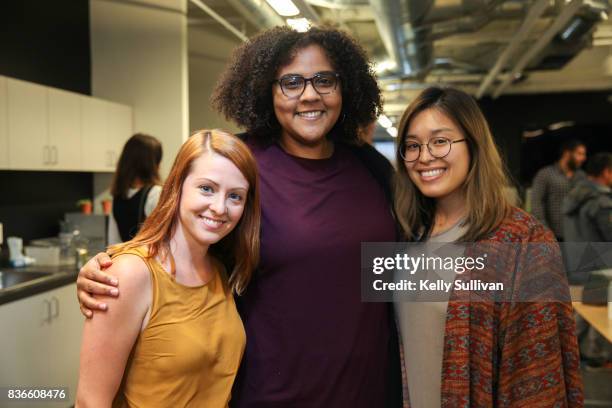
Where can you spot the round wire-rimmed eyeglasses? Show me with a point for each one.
(293, 85)
(439, 147)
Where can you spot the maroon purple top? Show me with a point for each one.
(311, 342)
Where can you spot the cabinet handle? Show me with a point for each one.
(47, 315)
(54, 151)
(56, 309)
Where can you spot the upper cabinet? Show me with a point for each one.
(64, 130)
(43, 128)
(94, 124)
(120, 129)
(3, 124)
(27, 126)
(105, 126)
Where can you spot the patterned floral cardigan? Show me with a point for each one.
(512, 354)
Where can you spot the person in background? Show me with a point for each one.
(485, 353)
(135, 188)
(587, 217)
(174, 337)
(552, 183)
(311, 341)
(587, 209)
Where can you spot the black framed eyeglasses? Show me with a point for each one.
(439, 147)
(293, 86)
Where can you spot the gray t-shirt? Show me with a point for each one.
(422, 325)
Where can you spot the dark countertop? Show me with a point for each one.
(19, 283)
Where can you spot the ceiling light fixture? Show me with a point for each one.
(386, 65)
(392, 131)
(285, 8)
(299, 24)
(559, 125)
(384, 121)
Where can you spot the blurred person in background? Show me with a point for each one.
(552, 183)
(135, 188)
(587, 217)
(587, 210)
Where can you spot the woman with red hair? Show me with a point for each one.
(174, 337)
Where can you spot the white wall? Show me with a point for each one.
(209, 52)
(139, 57)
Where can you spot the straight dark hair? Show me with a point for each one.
(139, 160)
(486, 183)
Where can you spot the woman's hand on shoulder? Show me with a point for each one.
(93, 281)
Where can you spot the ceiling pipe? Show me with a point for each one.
(463, 24)
(307, 11)
(566, 14)
(259, 13)
(220, 19)
(411, 51)
(528, 24)
(339, 4)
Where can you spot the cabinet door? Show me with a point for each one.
(27, 130)
(41, 343)
(65, 338)
(3, 125)
(119, 129)
(23, 341)
(64, 130)
(96, 156)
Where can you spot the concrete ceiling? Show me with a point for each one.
(466, 57)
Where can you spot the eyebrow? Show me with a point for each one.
(304, 76)
(433, 132)
(202, 179)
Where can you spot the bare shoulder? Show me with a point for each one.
(130, 270)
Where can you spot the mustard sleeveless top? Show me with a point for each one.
(189, 352)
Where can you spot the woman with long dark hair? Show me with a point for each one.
(136, 186)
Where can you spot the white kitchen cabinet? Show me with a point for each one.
(120, 129)
(105, 126)
(3, 124)
(40, 343)
(94, 124)
(27, 125)
(64, 139)
(44, 128)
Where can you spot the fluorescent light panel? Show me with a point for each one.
(384, 121)
(299, 24)
(285, 8)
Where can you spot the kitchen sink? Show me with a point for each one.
(12, 278)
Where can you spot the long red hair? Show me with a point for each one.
(239, 250)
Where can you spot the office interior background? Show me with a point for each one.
(541, 70)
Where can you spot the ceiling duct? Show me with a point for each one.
(411, 50)
(259, 13)
(409, 28)
(339, 4)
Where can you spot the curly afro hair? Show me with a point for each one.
(244, 91)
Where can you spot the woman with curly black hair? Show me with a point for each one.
(311, 342)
